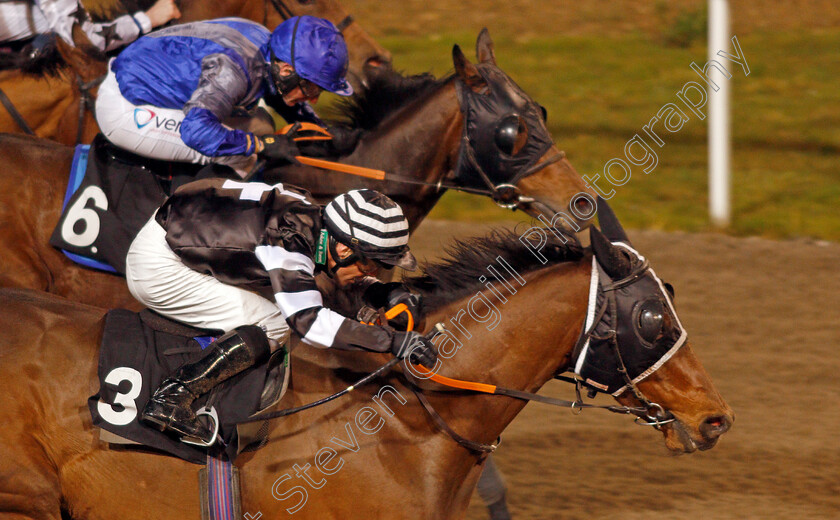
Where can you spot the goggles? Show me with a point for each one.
(286, 83)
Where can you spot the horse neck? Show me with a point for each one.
(422, 142)
(409, 460)
(531, 336)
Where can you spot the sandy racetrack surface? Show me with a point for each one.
(763, 317)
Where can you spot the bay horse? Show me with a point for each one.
(376, 452)
(57, 106)
(416, 130)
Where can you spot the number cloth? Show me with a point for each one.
(135, 357)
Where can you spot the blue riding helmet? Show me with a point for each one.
(320, 54)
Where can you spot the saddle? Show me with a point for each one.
(112, 193)
(139, 350)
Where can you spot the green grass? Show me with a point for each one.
(601, 90)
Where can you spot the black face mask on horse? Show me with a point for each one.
(504, 133)
(631, 328)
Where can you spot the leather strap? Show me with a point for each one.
(477, 447)
(21, 122)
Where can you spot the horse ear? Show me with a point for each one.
(467, 71)
(484, 48)
(610, 224)
(616, 264)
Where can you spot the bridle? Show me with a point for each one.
(86, 102)
(505, 194)
(285, 12)
(653, 413)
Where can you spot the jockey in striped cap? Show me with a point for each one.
(372, 226)
(215, 249)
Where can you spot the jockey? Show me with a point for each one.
(167, 94)
(215, 240)
(22, 20)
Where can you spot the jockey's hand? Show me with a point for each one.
(389, 295)
(344, 141)
(276, 148)
(420, 349)
(162, 12)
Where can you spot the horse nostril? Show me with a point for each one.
(715, 426)
(584, 206)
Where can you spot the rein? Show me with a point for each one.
(493, 191)
(642, 413)
(10, 107)
(86, 101)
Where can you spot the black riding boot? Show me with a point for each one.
(170, 407)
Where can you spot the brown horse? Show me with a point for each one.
(54, 106)
(376, 452)
(416, 131)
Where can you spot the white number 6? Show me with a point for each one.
(126, 400)
(78, 212)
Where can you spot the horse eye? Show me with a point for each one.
(511, 134)
(651, 319)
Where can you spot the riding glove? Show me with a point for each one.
(388, 295)
(416, 345)
(276, 148)
(343, 142)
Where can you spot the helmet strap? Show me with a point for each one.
(285, 83)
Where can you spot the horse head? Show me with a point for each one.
(638, 350)
(507, 148)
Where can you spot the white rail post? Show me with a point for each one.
(719, 132)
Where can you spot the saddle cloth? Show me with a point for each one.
(112, 193)
(138, 351)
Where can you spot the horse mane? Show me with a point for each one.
(387, 90)
(457, 276)
(48, 62)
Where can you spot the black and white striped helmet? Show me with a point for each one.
(372, 225)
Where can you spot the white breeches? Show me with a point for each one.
(152, 131)
(161, 282)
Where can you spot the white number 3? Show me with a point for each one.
(126, 400)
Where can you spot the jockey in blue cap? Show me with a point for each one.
(167, 95)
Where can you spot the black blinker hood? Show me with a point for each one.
(482, 113)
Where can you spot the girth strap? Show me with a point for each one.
(21, 122)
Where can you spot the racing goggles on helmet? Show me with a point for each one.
(287, 83)
(367, 266)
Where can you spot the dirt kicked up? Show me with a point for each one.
(763, 318)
